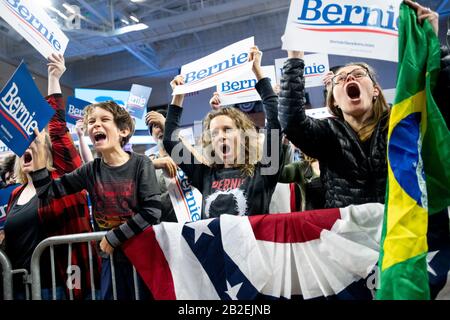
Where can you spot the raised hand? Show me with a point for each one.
(39, 151)
(79, 126)
(424, 13)
(56, 68)
(56, 65)
(255, 55)
(155, 118)
(327, 79)
(214, 102)
(177, 100)
(177, 81)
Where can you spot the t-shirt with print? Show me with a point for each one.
(226, 191)
(125, 199)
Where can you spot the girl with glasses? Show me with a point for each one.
(350, 147)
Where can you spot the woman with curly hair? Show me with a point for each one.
(236, 178)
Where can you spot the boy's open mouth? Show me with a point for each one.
(99, 136)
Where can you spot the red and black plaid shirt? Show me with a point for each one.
(70, 214)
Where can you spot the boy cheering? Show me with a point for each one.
(122, 186)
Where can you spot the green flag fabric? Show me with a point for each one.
(418, 156)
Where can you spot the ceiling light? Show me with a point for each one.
(69, 8)
(131, 28)
(46, 3)
(125, 21)
(59, 13)
(134, 18)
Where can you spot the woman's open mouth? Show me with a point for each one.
(225, 149)
(353, 91)
(27, 157)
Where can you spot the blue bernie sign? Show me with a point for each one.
(138, 99)
(75, 109)
(4, 197)
(22, 109)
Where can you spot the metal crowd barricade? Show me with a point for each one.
(69, 240)
(6, 276)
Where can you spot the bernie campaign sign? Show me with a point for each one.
(138, 99)
(363, 28)
(242, 89)
(227, 63)
(75, 109)
(31, 21)
(4, 198)
(22, 109)
(185, 198)
(316, 66)
(3, 148)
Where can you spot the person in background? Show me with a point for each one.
(163, 163)
(308, 192)
(8, 179)
(30, 219)
(7, 170)
(281, 196)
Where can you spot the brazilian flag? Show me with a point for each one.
(418, 157)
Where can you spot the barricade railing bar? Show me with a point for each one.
(68, 240)
(7, 275)
(50, 243)
(33, 278)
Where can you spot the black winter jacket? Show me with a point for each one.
(348, 174)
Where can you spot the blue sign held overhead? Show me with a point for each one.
(138, 99)
(22, 109)
(75, 109)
